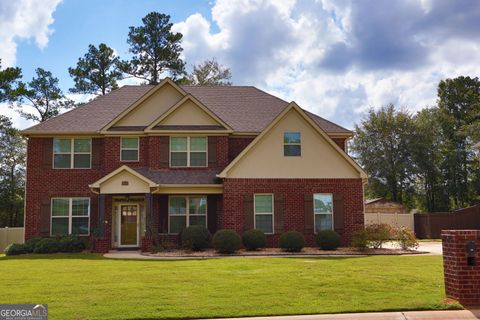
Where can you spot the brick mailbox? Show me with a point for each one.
(461, 265)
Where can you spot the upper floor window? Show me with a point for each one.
(188, 151)
(70, 216)
(323, 211)
(129, 149)
(71, 153)
(292, 144)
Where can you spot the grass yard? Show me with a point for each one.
(87, 286)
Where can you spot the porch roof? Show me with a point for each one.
(181, 176)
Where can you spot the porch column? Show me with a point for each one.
(148, 214)
(101, 216)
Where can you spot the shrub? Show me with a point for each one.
(406, 238)
(71, 244)
(360, 240)
(227, 241)
(15, 249)
(292, 241)
(378, 234)
(196, 238)
(47, 245)
(328, 240)
(30, 244)
(254, 239)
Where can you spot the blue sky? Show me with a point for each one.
(337, 58)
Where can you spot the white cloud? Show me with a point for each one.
(280, 46)
(24, 20)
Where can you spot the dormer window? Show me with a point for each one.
(292, 144)
(188, 151)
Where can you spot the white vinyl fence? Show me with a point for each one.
(9, 236)
(392, 219)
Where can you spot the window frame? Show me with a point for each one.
(324, 213)
(188, 151)
(292, 144)
(264, 213)
(126, 149)
(187, 210)
(72, 153)
(70, 214)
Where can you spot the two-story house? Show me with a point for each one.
(144, 161)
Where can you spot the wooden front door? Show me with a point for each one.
(129, 225)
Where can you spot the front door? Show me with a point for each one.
(129, 225)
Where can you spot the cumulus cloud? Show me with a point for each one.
(339, 57)
(23, 20)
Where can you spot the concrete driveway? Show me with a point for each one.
(431, 247)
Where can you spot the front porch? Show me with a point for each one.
(135, 212)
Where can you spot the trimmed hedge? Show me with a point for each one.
(71, 244)
(47, 245)
(30, 244)
(15, 249)
(196, 238)
(292, 241)
(227, 241)
(254, 239)
(328, 240)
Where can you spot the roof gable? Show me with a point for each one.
(188, 113)
(154, 103)
(124, 180)
(320, 158)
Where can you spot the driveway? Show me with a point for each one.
(431, 247)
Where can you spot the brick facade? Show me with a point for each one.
(44, 182)
(294, 191)
(462, 281)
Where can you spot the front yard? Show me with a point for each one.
(87, 286)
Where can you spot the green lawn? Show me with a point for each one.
(87, 286)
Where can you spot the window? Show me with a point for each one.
(70, 216)
(292, 146)
(188, 151)
(323, 211)
(129, 149)
(184, 211)
(71, 153)
(263, 206)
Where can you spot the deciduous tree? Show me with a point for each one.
(210, 73)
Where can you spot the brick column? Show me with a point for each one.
(462, 281)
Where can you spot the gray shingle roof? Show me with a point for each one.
(243, 108)
(180, 176)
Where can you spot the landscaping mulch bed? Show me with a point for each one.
(268, 252)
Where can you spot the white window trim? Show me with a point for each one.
(136, 149)
(188, 151)
(72, 153)
(325, 213)
(292, 144)
(70, 216)
(264, 213)
(187, 210)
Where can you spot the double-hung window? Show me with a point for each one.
(323, 211)
(263, 206)
(129, 149)
(188, 151)
(71, 153)
(70, 216)
(292, 144)
(184, 211)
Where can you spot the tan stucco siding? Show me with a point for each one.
(152, 108)
(189, 114)
(124, 182)
(319, 158)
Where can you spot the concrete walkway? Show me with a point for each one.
(408, 315)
